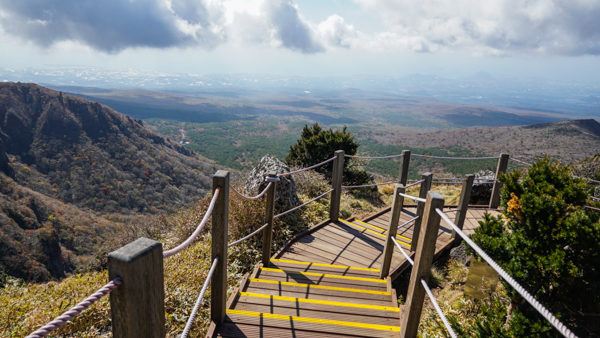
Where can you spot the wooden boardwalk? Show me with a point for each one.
(326, 282)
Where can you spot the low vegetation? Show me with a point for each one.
(547, 241)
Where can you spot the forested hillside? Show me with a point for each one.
(66, 164)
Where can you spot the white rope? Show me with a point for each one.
(198, 230)
(367, 185)
(373, 157)
(408, 222)
(521, 162)
(414, 198)
(262, 227)
(261, 194)
(437, 308)
(457, 158)
(595, 198)
(75, 310)
(303, 204)
(591, 208)
(307, 168)
(588, 179)
(526, 295)
(414, 183)
(199, 300)
(402, 251)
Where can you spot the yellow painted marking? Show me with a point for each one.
(321, 287)
(345, 267)
(365, 223)
(326, 275)
(406, 245)
(287, 318)
(362, 227)
(320, 302)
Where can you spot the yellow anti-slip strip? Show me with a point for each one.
(320, 302)
(324, 265)
(311, 320)
(326, 275)
(406, 245)
(320, 287)
(365, 223)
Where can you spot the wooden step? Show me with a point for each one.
(345, 270)
(303, 290)
(314, 280)
(243, 330)
(301, 306)
(318, 277)
(324, 325)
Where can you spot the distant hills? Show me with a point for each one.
(71, 171)
(568, 141)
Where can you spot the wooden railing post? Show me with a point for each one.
(388, 252)
(425, 187)
(269, 213)
(337, 178)
(138, 304)
(219, 229)
(500, 169)
(411, 314)
(404, 167)
(463, 203)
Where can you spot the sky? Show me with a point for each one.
(551, 39)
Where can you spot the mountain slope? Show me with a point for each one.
(77, 178)
(87, 154)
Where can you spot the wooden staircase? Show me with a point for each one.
(292, 298)
(325, 282)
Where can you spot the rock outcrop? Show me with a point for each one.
(482, 187)
(286, 196)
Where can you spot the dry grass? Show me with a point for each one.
(453, 287)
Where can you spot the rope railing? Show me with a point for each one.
(256, 197)
(457, 157)
(303, 204)
(402, 250)
(438, 309)
(359, 157)
(414, 198)
(587, 179)
(414, 183)
(560, 327)
(427, 289)
(521, 161)
(197, 231)
(382, 157)
(199, 300)
(367, 185)
(306, 168)
(591, 207)
(262, 227)
(75, 310)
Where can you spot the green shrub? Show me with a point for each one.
(549, 243)
(317, 145)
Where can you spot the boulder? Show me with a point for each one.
(482, 187)
(286, 196)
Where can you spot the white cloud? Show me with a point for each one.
(567, 27)
(335, 32)
(497, 27)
